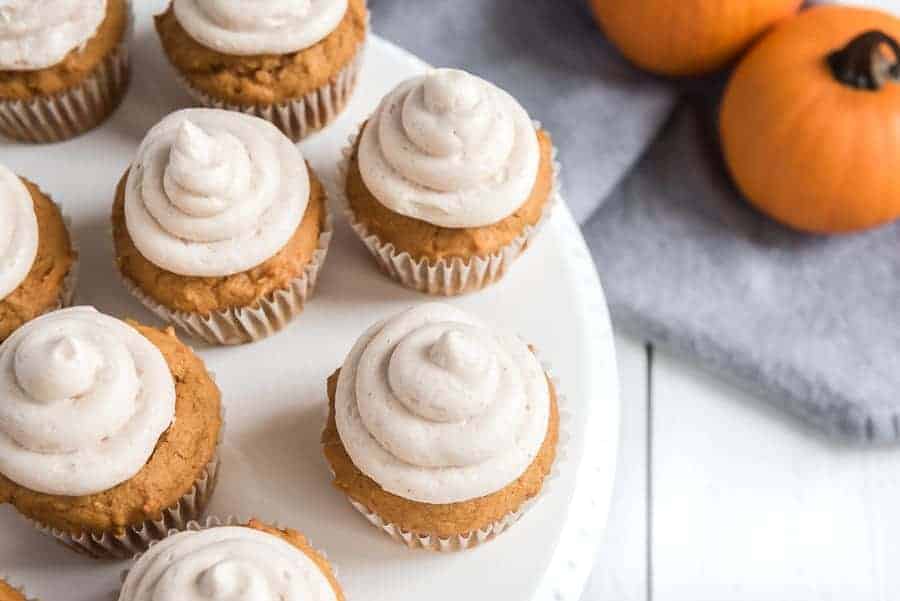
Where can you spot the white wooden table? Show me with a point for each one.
(720, 497)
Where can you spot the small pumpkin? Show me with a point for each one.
(687, 37)
(810, 121)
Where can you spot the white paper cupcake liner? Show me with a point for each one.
(470, 540)
(298, 117)
(137, 538)
(241, 325)
(108, 545)
(74, 111)
(445, 277)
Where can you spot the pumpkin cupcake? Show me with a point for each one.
(136, 454)
(292, 63)
(38, 261)
(220, 226)
(63, 66)
(247, 561)
(10, 593)
(448, 181)
(440, 430)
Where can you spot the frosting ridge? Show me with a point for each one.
(437, 408)
(36, 34)
(84, 398)
(212, 193)
(18, 232)
(451, 149)
(243, 28)
(225, 562)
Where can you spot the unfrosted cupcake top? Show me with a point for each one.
(451, 149)
(226, 562)
(249, 27)
(18, 232)
(35, 34)
(212, 193)
(84, 399)
(437, 408)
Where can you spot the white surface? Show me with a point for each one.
(275, 390)
(767, 508)
(720, 497)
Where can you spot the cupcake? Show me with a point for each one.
(220, 226)
(440, 430)
(37, 258)
(10, 593)
(63, 66)
(292, 63)
(108, 431)
(251, 561)
(448, 181)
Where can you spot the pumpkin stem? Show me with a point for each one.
(862, 64)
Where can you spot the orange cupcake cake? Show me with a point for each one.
(136, 454)
(220, 226)
(441, 430)
(38, 261)
(294, 64)
(448, 182)
(63, 66)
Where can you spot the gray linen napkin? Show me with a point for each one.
(809, 322)
(549, 54)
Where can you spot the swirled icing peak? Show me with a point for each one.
(437, 408)
(248, 27)
(84, 398)
(213, 193)
(18, 232)
(225, 563)
(35, 34)
(451, 149)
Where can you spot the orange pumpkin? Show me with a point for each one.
(810, 121)
(687, 37)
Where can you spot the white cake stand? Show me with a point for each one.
(275, 390)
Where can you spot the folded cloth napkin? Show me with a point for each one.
(550, 55)
(809, 322)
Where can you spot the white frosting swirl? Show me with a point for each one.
(226, 563)
(84, 398)
(438, 409)
(213, 193)
(451, 149)
(35, 34)
(18, 232)
(248, 27)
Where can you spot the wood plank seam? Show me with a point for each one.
(649, 475)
